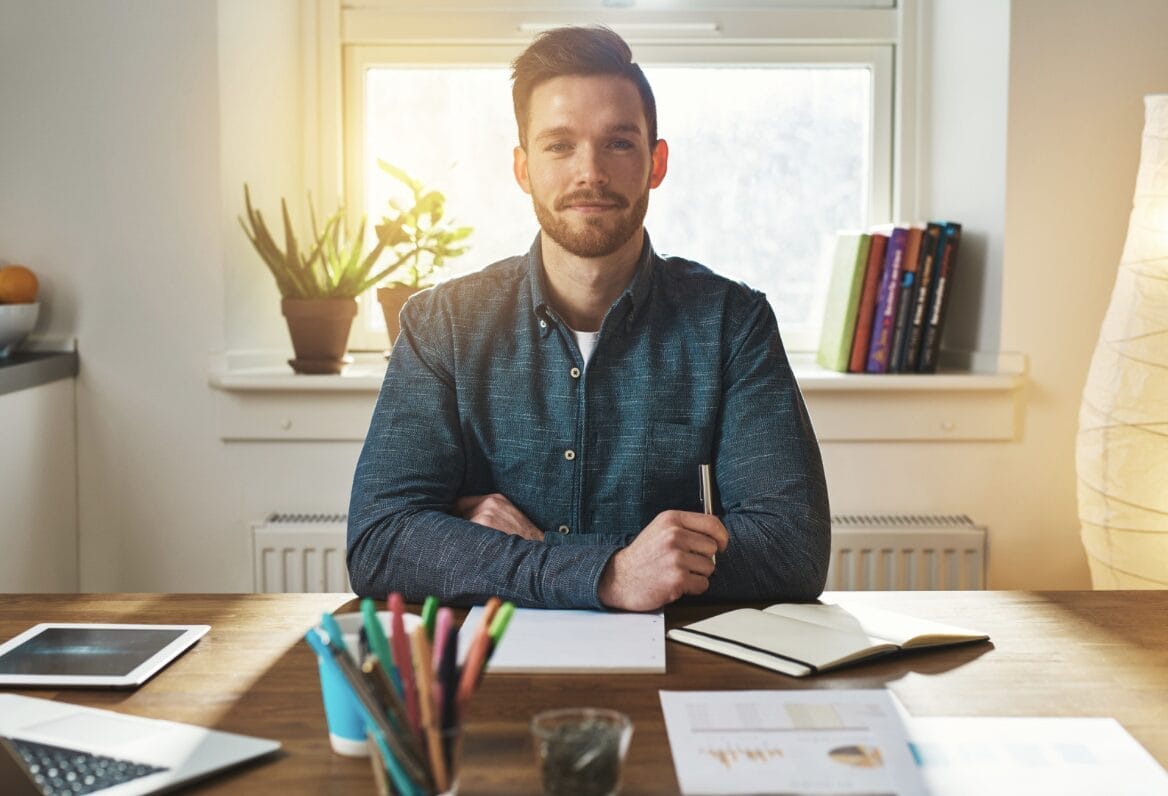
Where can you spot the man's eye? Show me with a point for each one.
(558, 147)
(621, 143)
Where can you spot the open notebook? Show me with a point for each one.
(799, 639)
(49, 747)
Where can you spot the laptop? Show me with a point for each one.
(49, 748)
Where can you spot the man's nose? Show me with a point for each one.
(590, 169)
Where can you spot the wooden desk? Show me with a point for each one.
(1053, 654)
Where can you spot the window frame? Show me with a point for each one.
(875, 34)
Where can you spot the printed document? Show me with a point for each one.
(823, 741)
(962, 756)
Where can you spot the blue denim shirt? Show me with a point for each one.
(486, 392)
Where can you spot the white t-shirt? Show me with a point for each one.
(586, 342)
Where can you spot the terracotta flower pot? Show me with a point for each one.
(391, 298)
(320, 332)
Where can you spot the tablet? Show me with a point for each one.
(93, 655)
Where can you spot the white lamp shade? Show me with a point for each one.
(1122, 453)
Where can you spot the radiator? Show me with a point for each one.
(883, 552)
(300, 553)
(306, 553)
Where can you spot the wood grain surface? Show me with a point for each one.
(1050, 654)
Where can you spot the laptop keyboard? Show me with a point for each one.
(59, 772)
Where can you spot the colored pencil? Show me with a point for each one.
(425, 676)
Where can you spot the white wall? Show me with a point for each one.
(109, 189)
(129, 127)
(965, 81)
(261, 130)
(1078, 73)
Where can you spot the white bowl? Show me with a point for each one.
(16, 321)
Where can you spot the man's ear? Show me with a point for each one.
(519, 167)
(660, 163)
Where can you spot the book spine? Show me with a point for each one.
(912, 252)
(866, 307)
(885, 315)
(916, 330)
(843, 296)
(946, 261)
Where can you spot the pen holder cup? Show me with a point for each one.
(346, 726)
(581, 751)
(442, 750)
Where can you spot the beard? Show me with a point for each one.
(600, 236)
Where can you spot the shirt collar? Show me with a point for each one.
(636, 293)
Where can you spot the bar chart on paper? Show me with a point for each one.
(813, 742)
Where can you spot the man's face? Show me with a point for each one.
(588, 165)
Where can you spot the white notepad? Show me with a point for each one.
(557, 641)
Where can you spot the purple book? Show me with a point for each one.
(880, 348)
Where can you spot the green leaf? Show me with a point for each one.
(412, 242)
(400, 176)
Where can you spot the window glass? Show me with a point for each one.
(766, 163)
(453, 129)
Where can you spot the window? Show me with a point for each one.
(773, 147)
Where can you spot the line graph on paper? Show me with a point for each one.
(732, 756)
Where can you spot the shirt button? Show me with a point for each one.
(564, 529)
(542, 323)
(575, 373)
(569, 454)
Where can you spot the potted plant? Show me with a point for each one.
(318, 284)
(422, 239)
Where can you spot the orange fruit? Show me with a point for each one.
(18, 285)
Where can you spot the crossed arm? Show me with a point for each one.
(410, 530)
(670, 558)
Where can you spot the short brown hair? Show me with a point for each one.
(576, 50)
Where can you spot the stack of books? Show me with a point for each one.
(887, 298)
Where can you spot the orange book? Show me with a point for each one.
(867, 309)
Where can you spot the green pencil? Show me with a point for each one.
(499, 625)
(378, 643)
(429, 615)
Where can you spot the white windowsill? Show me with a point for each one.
(268, 371)
(260, 398)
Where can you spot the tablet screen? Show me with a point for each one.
(87, 652)
(92, 654)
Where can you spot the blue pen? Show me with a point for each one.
(328, 652)
(336, 639)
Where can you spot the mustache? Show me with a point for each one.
(595, 196)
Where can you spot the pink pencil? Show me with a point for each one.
(404, 661)
(443, 624)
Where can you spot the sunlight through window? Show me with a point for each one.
(767, 162)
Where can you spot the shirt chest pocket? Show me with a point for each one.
(669, 477)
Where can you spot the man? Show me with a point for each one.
(541, 424)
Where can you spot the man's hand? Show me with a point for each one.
(497, 512)
(669, 558)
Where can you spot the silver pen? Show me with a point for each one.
(707, 494)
